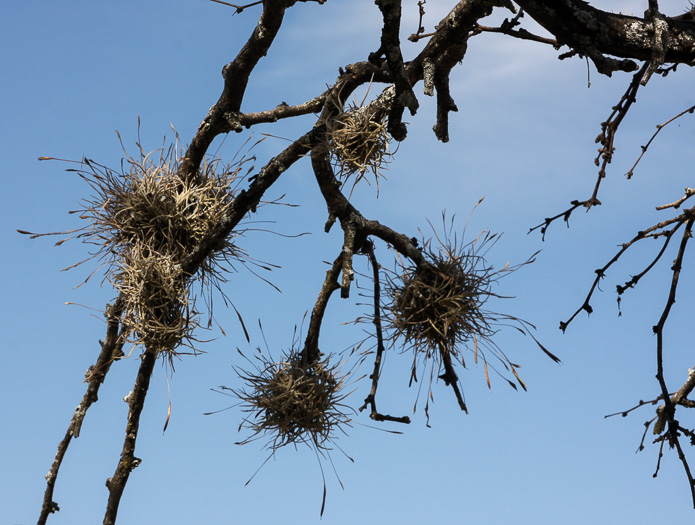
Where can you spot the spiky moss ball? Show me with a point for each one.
(439, 305)
(289, 402)
(151, 207)
(438, 309)
(156, 310)
(145, 221)
(359, 142)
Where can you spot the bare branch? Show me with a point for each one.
(110, 350)
(659, 127)
(311, 352)
(655, 231)
(283, 111)
(597, 33)
(668, 412)
(606, 138)
(689, 192)
(380, 349)
(609, 128)
(508, 28)
(391, 49)
(420, 28)
(679, 398)
(128, 461)
(624, 413)
(223, 117)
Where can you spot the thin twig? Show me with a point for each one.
(520, 33)
(689, 192)
(239, 8)
(669, 409)
(371, 398)
(110, 349)
(659, 127)
(606, 138)
(641, 403)
(657, 230)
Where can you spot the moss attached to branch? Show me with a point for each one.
(438, 309)
(359, 142)
(291, 402)
(145, 220)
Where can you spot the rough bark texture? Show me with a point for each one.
(582, 27)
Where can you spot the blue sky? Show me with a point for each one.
(523, 137)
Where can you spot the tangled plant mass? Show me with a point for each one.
(145, 220)
(358, 142)
(291, 402)
(437, 310)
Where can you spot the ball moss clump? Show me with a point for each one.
(145, 221)
(439, 310)
(291, 402)
(359, 142)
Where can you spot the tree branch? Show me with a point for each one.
(311, 352)
(668, 412)
(95, 375)
(380, 349)
(282, 111)
(223, 117)
(247, 200)
(391, 49)
(606, 138)
(598, 33)
(657, 230)
(659, 127)
(128, 461)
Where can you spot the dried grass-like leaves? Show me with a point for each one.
(290, 402)
(145, 220)
(359, 142)
(157, 301)
(439, 310)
